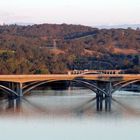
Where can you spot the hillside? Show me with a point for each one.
(52, 48)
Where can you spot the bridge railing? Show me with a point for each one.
(77, 72)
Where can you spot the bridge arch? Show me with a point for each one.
(31, 84)
(124, 84)
(8, 90)
(90, 86)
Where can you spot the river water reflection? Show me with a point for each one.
(71, 114)
(74, 103)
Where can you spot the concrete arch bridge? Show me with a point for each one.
(101, 85)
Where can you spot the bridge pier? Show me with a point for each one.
(103, 102)
(99, 102)
(108, 96)
(104, 98)
(19, 89)
(108, 100)
(10, 102)
(13, 87)
(14, 104)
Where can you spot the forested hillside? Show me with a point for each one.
(51, 48)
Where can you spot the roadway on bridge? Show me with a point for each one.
(99, 77)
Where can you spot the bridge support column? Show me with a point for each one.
(108, 97)
(108, 103)
(99, 96)
(69, 85)
(99, 102)
(107, 87)
(10, 102)
(18, 104)
(14, 104)
(12, 86)
(20, 89)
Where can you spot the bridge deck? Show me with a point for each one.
(100, 77)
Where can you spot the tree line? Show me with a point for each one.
(26, 49)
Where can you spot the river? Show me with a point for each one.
(70, 115)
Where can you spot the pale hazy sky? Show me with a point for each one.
(87, 12)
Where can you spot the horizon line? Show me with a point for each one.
(100, 26)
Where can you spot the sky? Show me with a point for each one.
(86, 12)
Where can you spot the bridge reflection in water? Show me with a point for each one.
(14, 104)
(33, 104)
(102, 85)
(101, 104)
(79, 105)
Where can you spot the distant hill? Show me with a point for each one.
(123, 26)
(53, 48)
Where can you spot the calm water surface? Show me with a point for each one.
(70, 114)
